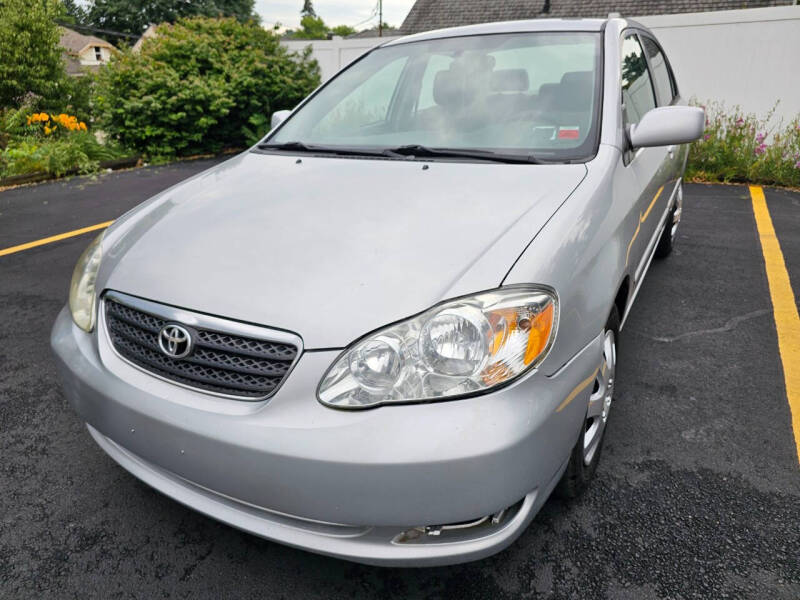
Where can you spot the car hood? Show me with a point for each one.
(331, 248)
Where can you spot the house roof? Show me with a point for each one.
(150, 32)
(438, 14)
(75, 43)
(373, 32)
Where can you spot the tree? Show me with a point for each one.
(73, 12)
(311, 28)
(133, 16)
(343, 30)
(632, 68)
(30, 57)
(198, 84)
(308, 9)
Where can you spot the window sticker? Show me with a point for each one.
(543, 134)
(572, 132)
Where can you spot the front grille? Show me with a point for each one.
(221, 362)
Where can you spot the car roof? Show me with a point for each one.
(529, 25)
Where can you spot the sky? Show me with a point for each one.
(334, 12)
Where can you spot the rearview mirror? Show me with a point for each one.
(667, 125)
(279, 117)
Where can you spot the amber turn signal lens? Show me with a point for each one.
(541, 326)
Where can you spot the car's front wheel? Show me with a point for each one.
(586, 453)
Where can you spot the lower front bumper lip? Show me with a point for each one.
(364, 544)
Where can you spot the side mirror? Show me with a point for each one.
(279, 117)
(667, 126)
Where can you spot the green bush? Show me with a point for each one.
(38, 142)
(76, 99)
(80, 153)
(739, 147)
(30, 57)
(32, 71)
(196, 86)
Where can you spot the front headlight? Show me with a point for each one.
(458, 348)
(82, 293)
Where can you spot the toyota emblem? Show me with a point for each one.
(175, 341)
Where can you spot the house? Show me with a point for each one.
(373, 33)
(83, 51)
(437, 14)
(149, 33)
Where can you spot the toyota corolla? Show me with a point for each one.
(389, 331)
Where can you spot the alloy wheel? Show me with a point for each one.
(600, 400)
(676, 214)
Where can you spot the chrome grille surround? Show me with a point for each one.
(230, 359)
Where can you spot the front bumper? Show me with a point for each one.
(340, 483)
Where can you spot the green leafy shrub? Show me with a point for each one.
(32, 70)
(256, 128)
(34, 142)
(195, 87)
(76, 99)
(739, 147)
(30, 57)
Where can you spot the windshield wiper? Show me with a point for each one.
(314, 149)
(418, 150)
(410, 150)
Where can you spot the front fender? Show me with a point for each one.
(581, 253)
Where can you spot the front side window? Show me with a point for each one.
(661, 74)
(637, 90)
(366, 104)
(526, 93)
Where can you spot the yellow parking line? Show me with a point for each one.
(54, 238)
(787, 321)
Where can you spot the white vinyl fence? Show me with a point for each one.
(334, 54)
(748, 57)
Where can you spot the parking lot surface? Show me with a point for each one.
(697, 494)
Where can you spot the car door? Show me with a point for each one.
(666, 95)
(649, 168)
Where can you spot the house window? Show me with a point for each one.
(97, 54)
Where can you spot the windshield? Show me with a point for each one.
(524, 93)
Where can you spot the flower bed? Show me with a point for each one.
(49, 144)
(739, 147)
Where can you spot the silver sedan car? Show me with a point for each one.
(389, 331)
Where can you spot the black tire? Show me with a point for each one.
(578, 474)
(667, 239)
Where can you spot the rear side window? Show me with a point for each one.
(665, 90)
(637, 89)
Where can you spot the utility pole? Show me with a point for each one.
(380, 18)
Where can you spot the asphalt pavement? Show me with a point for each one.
(697, 494)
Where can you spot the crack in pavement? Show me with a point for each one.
(730, 325)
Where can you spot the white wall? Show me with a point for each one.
(747, 57)
(334, 54)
